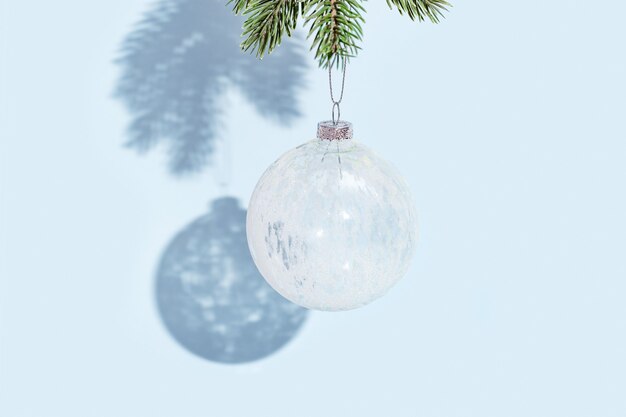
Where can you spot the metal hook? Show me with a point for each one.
(336, 106)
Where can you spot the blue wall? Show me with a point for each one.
(507, 120)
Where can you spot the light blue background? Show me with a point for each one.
(509, 122)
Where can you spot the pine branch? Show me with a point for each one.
(267, 21)
(337, 28)
(420, 9)
(335, 25)
(240, 5)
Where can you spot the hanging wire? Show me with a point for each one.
(336, 103)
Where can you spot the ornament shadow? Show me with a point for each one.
(212, 299)
(178, 62)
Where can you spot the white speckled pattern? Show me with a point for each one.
(331, 226)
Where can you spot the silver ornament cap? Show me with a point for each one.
(328, 130)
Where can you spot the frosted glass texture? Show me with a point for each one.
(331, 226)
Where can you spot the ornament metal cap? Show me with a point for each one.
(327, 130)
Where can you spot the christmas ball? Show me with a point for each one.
(331, 226)
(211, 297)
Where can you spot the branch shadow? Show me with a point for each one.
(177, 63)
(211, 297)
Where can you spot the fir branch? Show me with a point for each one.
(335, 25)
(240, 5)
(337, 28)
(420, 9)
(267, 21)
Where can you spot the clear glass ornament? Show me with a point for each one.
(331, 226)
